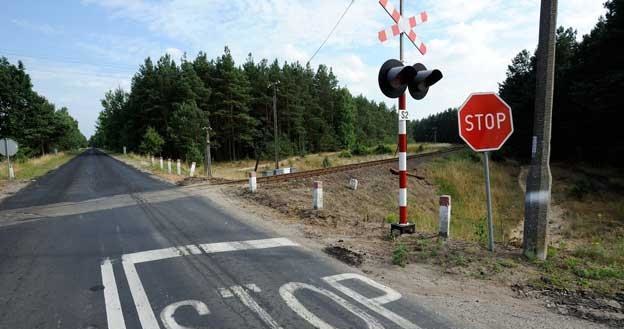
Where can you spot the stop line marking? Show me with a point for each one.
(148, 319)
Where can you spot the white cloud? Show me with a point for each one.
(43, 28)
(175, 53)
(472, 42)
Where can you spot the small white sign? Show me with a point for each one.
(403, 115)
(8, 146)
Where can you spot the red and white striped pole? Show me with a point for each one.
(402, 164)
(403, 226)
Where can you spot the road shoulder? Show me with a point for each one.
(476, 303)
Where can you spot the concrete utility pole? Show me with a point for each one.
(207, 157)
(275, 142)
(539, 180)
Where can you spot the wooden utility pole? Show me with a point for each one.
(207, 156)
(539, 180)
(275, 140)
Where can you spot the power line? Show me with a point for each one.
(332, 31)
(66, 60)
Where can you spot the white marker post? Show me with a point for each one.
(179, 168)
(317, 195)
(353, 184)
(252, 182)
(169, 166)
(192, 171)
(445, 216)
(124, 150)
(161, 164)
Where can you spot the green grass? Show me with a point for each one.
(36, 167)
(461, 176)
(399, 255)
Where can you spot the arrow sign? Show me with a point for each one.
(403, 26)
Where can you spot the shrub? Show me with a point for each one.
(382, 149)
(359, 149)
(392, 218)
(345, 154)
(326, 162)
(580, 188)
(399, 255)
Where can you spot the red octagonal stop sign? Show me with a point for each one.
(485, 121)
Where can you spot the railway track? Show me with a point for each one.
(331, 170)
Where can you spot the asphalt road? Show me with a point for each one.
(106, 246)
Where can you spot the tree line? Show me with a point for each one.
(30, 119)
(587, 107)
(170, 104)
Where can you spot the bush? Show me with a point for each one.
(345, 154)
(359, 149)
(326, 163)
(581, 188)
(392, 218)
(399, 255)
(382, 149)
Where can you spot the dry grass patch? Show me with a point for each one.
(462, 177)
(35, 167)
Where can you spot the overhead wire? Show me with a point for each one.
(331, 32)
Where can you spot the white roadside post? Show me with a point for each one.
(353, 184)
(55, 151)
(252, 182)
(179, 168)
(317, 195)
(169, 166)
(161, 164)
(192, 171)
(445, 216)
(124, 150)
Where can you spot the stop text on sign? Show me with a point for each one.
(485, 122)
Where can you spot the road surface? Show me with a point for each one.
(98, 244)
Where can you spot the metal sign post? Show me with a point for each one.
(485, 123)
(9, 149)
(6, 152)
(488, 195)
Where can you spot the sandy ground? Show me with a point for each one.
(475, 303)
(9, 188)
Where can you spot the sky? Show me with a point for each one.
(75, 51)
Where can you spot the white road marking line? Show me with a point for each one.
(146, 314)
(114, 314)
(225, 292)
(166, 316)
(144, 310)
(375, 304)
(254, 307)
(253, 287)
(287, 291)
(246, 245)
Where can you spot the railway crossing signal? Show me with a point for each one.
(393, 79)
(403, 26)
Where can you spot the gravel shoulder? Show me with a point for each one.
(475, 303)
